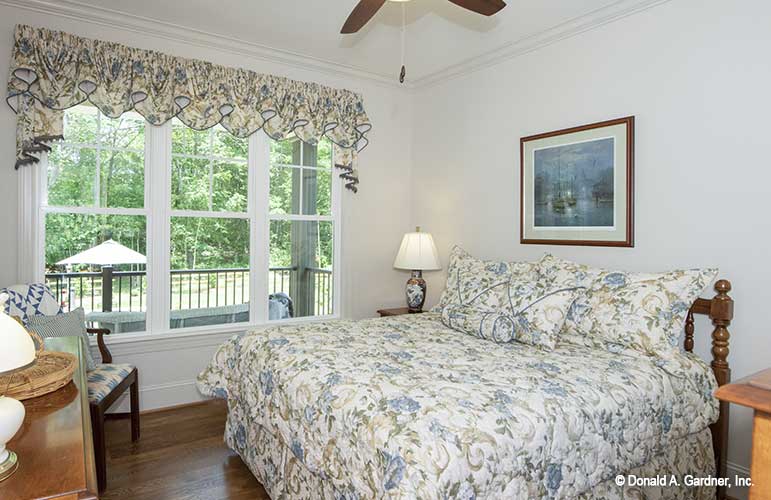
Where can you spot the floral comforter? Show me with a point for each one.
(404, 407)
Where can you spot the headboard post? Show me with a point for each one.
(721, 311)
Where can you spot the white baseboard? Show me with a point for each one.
(735, 470)
(152, 397)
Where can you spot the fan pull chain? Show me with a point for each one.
(403, 72)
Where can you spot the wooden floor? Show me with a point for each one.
(180, 456)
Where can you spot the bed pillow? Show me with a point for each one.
(620, 310)
(479, 283)
(530, 312)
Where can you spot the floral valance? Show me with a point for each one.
(52, 71)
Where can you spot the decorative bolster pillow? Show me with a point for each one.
(534, 316)
(488, 325)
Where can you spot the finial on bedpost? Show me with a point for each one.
(722, 312)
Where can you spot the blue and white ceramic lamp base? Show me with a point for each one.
(416, 292)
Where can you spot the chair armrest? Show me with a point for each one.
(100, 333)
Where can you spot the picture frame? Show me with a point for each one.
(577, 185)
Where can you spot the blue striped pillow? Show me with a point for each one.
(71, 324)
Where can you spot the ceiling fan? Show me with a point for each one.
(366, 9)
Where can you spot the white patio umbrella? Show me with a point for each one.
(106, 254)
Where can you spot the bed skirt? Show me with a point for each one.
(285, 477)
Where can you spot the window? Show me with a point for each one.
(93, 207)
(242, 230)
(209, 227)
(301, 226)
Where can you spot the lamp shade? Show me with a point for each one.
(417, 253)
(18, 347)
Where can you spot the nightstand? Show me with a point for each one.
(396, 311)
(755, 392)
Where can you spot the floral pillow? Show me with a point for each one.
(621, 310)
(480, 283)
(532, 313)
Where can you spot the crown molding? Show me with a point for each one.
(173, 32)
(73, 9)
(581, 24)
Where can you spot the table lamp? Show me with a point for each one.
(17, 353)
(417, 254)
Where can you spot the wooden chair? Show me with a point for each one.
(106, 383)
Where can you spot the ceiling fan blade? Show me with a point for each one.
(362, 13)
(484, 7)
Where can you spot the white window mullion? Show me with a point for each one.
(211, 170)
(98, 159)
(337, 210)
(310, 218)
(31, 228)
(96, 211)
(300, 207)
(259, 207)
(158, 200)
(210, 214)
(309, 167)
(40, 179)
(95, 145)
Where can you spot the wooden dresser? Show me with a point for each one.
(54, 444)
(755, 392)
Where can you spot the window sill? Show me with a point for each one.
(205, 331)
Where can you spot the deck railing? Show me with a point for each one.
(322, 290)
(126, 291)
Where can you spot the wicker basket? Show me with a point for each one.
(51, 371)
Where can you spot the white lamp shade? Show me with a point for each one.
(18, 347)
(417, 253)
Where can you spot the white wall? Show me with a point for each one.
(168, 368)
(696, 74)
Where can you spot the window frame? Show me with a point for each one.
(43, 208)
(251, 213)
(158, 211)
(335, 217)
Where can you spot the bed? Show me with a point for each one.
(404, 407)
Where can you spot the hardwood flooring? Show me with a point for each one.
(180, 456)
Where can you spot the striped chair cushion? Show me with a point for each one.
(104, 378)
(71, 324)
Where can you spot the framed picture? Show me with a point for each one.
(577, 185)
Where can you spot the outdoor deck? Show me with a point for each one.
(118, 299)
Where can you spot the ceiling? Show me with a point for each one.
(441, 37)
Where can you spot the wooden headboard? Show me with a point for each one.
(720, 309)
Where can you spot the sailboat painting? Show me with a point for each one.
(577, 185)
(573, 184)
